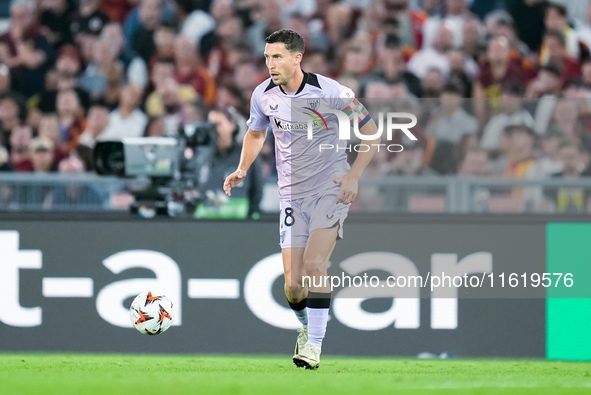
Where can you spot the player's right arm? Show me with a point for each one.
(253, 140)
(251, 147)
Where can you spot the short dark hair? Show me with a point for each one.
(559, 8)
(558, 35)
(292, 40)
(552, 68)
(453, 87)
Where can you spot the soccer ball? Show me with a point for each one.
(151, 314)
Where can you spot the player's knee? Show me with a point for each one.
(314, 265)
(292, 283)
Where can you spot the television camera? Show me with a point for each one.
(176, 168)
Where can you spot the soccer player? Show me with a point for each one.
(316, 186)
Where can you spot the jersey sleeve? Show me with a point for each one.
(350, 105)
(257, 120)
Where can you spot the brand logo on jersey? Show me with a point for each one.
(284, 125)
(273, 105)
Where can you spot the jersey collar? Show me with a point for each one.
(309, 78)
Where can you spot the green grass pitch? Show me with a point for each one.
(89, 374)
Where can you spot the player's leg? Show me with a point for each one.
(316, 257)
(293, 242)
(295, 291)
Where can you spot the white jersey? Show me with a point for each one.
(303, 168)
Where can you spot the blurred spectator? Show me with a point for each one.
(195, 22)
(434, 57)
(432, 84)
(474, 163)
(66, 196)
(556, 20)
(549, 162)
(117, 10)
(545, 87)
(449, 125)
(49, 129)
(133, 22)
(164, 36)
(511, 113)
(569, 199)
(55, 21)
(67, 71)
(134, 67)
(409, 162)
(169, 94)
(556, 52)
(460, 64)
(532, 11)
(25, 50)
(376, 89)
(95, 77)
(519, 51)
(41, 154)
(150, 17)
(496, 71)
(127, 120)
(547, 83)
(266, 16)
(520, 154)
(452, 121)
(225, 160)
(472, 38)
(245, 77)
(10, 117)
(583, 25)
(165, 85)
(97, 122)
(155, 128)
(391, 66)
(337, 25)
(575, 9)
(89, 20)
(4, 162)
(70, 117)
(316, 62)
(570, 156)
(20, 138)
(195, 111)
(218, 46)
(454, 16)
(566, 116)
(191, 71)
(229, 95)
(4, 79)
(410, 22)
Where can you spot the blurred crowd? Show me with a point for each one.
(500, 87)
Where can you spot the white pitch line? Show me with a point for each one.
(68, 287)
(213, 288)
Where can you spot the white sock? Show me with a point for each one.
(317, 320)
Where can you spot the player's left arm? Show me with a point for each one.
(350, 183)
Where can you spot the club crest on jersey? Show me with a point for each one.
(314, 103)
